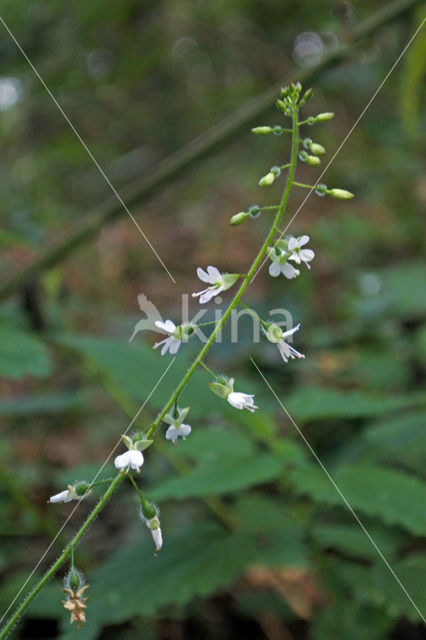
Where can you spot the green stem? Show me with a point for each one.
(138, 491)
(153, 428)
(272, 207)
(254, 314)
(285, 166)
(212, 373)
(235, 301)
(304, 186)
(64, 555)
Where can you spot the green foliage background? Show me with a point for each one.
(258, 542)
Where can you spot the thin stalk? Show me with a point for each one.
(64, 555)
(173, 398)
(272, 207)
(254, 314)
(304, 186)
(212, 373)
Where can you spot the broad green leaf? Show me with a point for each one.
(351, 540)
(395, 497)
(43, 404)
(21, 354)
(210, 443)
(316, 403)
(222, 476)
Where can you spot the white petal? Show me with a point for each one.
(215, 275)
(203, 275)
(184, 430)
(274, 269)
(174, 345)
(307, 255)
(303, 240)
(166, 346)
(122, 461)
(167, 327)
(158, 344)
(284, 350)
(172, 434)
(234, 399)
(290, 331)
(64, 496)
(136, 459)
(208, 295)
(289, 271)
(157, 537)
(293, 243)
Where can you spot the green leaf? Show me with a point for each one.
(49, 403)
(21, 354)
(395, 497)
(220, 477)
(211, 443)
(316, 403)
(351, 540)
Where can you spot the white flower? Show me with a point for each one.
(241, 401)
(173, 342)
(173, 432)
(65, 496)
(297, 253)
(177, 429)
(131, 459)
(277, 336)
(290, 272)
(153, 523)
(218, 281)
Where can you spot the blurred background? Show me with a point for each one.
(258, 543)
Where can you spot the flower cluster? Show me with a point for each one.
(133, 457)
(177, 429)
(74, 588)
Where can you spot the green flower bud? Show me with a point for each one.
(267, 180)
(322, 117)
(340, 194)
(222, 387)
(313, 161)
(262, 131)
(239, 218)
(308, 95)
(281, 105)
(317, 149)
(274, 333)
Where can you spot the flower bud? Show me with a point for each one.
(267, 180)
(340, 194)
(313, 161)
(281, 105)
(238, 218)
(262, 131)
(317, 149)
(222, 387)
(308, 95)
(274, 333)
(254, 211)
(322, 117)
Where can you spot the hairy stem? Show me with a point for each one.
(173, 398)
(62, 558)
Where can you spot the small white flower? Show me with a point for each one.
(218, 281)
(287, 269)
(65, 496)
(173, 342)
(298, 254)
(131, 459)
(177, 429)
(277, 336)
(173, 432)
(153, 525)
(241, 401)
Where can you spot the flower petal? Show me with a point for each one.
(174, 345)
(184, 430)
(215, 275)
(136, 459)
(303, 240)
(293, 243)
(274, 269)
(167, 327)
(122, 461)
(208, 295)
(290, 332)
(289, 271)
(203, 275)
(172, 434)
(306, 255)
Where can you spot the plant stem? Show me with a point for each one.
(64, 555)
(198, 360)
(304, 186)
(212, 373)
(254, 314)
(272, 207)
(235, 301)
